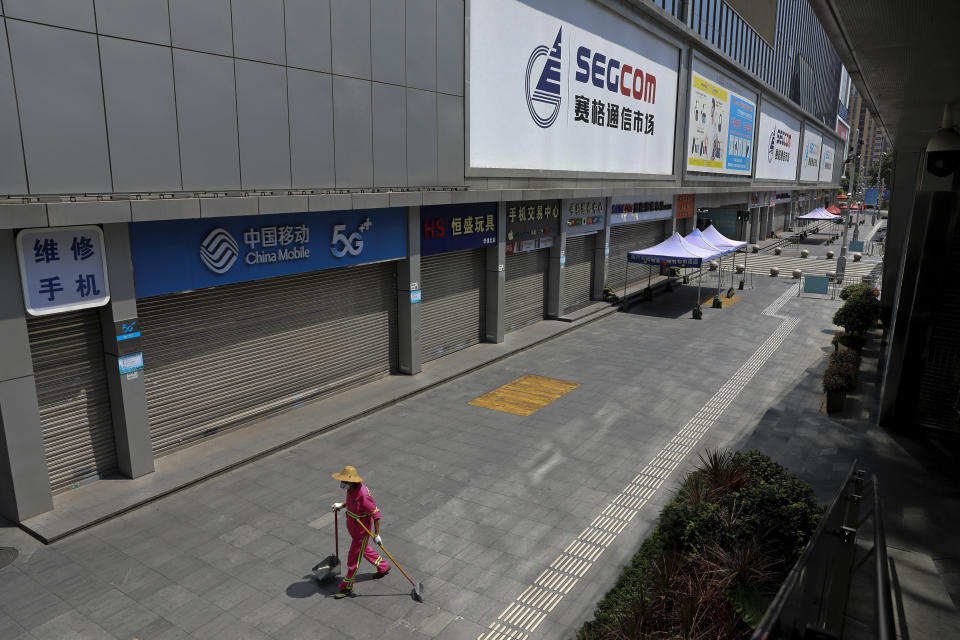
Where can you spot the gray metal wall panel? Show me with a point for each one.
(72, 395)
(449, 140)
(141, 115)
(308, 34)
(421, 49)
(350, 33)
(525, 296)
(630, 237)
(311, 129)
(353, 131)
(258, 30)
(212, 362)
(450, 26)
(202, 25)
(13, 177)
(75, 14)
(264, 129)
(422, 138)
(57, 72)
(389, 135)
(144, 20)
(578, 271)
(388, 41)
(452, 308)
(207, 112)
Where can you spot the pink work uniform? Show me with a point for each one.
(360, 507)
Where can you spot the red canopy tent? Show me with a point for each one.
(856, 206)
(842, 197)
(834, 210)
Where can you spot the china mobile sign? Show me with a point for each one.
(547, 93)
(178, 255)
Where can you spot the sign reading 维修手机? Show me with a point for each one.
(455, 227)
(62, 269)
(177, 255)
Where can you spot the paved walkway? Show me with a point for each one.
(515, 525)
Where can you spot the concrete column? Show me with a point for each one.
(24, 482)
(555, 273)
(408, 299)
(754, 224)
(496, 279)
(118, 321)
(903, 189)
(601, 249)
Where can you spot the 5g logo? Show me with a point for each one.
(341, 244)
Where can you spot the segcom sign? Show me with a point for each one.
(553, 95)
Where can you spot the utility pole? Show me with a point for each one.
(842, 260)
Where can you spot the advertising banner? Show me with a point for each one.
(455, 227)
(583, 216)
(626, 210)
(533, 219)
(720, 138)
(177, 255)
(62, 269)
(827, 159)
(810, 162)
(779, 141)
(548, 93)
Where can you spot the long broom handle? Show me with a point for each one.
(388, 555)
(336, 532)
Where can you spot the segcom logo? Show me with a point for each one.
(219, 251)
(544, 100)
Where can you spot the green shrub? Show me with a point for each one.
(858, 313)
(721, 548)
(609, 295)
(841, 372)
(847, 340)
(860, 289)
(731, 292)
(674, 272)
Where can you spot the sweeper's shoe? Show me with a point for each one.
(343, 593)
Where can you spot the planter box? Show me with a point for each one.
(835, 401)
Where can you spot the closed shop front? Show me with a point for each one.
(583, 219)
(266, 314)
(68, 366)
(452, 276)
(635, 223)
(531, 230)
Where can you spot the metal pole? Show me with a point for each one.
(623, 300)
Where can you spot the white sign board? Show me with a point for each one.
(810, 158)
(779, 142)
(827, 159)
(62, 269)
(720, 135)
(549, 94)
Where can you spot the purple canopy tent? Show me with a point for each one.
(717, 239)
(673, 252)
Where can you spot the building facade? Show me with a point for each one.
(213, 211)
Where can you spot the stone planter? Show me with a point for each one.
(740, 268)
(778, 251)
(832, 275)
(754, 248)
(835, 401)
(797, 273)
(829, 255)
(713, 265)
(857, 257)
(804, 253)
(774, 271)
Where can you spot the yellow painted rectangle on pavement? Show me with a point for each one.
(525, 395)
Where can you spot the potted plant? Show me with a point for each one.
(741, 284)
(697, 312)
(731, 292)
(717, 302)
(839, 378)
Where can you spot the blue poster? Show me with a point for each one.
(178, 255)
(740, 138)
(454, 227)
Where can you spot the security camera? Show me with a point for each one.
(943, 150)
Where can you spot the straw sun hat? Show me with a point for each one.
(349, 474)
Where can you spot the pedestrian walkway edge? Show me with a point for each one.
(101, 501)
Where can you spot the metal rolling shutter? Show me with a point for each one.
(216, 357)
(451, 311)
(578, 271)
(68, 365)
(630, 237)
(525, 291)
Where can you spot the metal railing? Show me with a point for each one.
(822, 595)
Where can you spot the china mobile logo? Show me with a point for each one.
(543, 101)
(219, 251)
